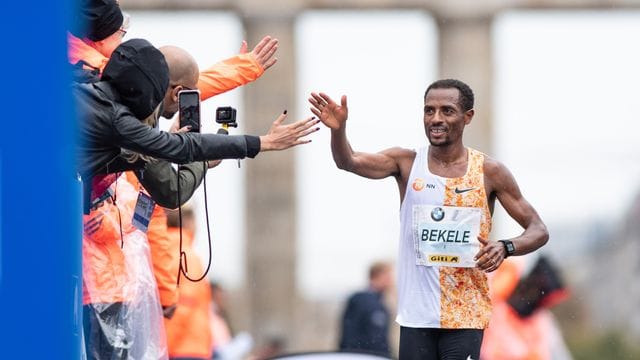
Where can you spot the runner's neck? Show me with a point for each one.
(446, 156)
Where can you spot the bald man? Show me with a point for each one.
(183, 75)
(159, 178)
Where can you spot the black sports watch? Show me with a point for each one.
(508, 247)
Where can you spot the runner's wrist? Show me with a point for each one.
(509, 248)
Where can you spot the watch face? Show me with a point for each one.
(510, 248)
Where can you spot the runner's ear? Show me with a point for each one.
(468, 115)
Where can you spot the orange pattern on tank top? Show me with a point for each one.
(465, 302)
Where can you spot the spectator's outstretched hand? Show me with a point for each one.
(331, 114)
(263, 52)
(281, 137)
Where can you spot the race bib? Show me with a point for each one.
(446, 235)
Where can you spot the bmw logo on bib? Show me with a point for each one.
(437, 214)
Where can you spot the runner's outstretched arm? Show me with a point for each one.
(370, 165)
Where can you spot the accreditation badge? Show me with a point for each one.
(143, 211)
(446, 235)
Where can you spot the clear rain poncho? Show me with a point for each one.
(122, 316)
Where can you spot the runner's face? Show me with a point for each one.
(444, 119)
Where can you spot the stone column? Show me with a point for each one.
(466, 54)
(270, 190)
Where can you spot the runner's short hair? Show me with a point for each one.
(465, 99)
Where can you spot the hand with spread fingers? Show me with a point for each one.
(281, 137)
(263, 52)
(490, 255)
(331, 114)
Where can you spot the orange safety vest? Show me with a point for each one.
(188, 331)
(112, 274)
(105, 271)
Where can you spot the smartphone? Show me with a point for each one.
(189, 109)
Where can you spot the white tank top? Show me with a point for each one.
(442, 296)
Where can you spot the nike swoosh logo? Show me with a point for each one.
(469, 357)
(462, 191)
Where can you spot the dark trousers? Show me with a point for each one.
(440, 344)
(105, 337)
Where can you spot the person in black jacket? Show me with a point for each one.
(99, 31)
(132, 87)
(365, 322)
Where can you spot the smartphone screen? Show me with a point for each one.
(189, 104)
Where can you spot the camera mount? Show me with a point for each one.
(226, 116)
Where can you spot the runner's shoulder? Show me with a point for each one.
(496, 171)
(492, 166)
(399, 153)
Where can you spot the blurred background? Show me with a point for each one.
(556, 86)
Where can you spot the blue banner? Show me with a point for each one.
(40, 215)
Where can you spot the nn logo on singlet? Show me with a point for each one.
(449, 259)
(419, 185)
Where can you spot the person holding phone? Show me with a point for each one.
(158, 177)
(189, 103)
(132, 87)
(447, 195)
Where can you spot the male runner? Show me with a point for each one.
(447, 194)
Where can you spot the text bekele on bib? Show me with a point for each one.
(446, 235)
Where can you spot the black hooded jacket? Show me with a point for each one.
(133, 85)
